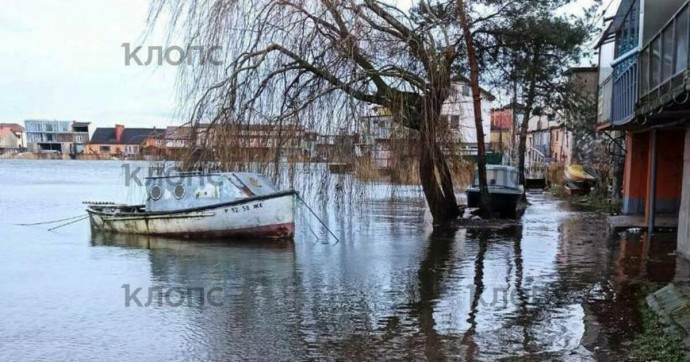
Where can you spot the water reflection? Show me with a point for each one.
(547, 289)
(555, 287)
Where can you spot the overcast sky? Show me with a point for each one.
(64, 60)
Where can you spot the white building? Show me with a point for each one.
(457, 111)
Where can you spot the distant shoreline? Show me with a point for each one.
(64, 156)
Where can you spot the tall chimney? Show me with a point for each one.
(119, 129)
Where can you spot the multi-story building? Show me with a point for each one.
(178, 139)
(379, 133)
(56, 136)
(643, 92)
(337, 147)
(458, 112)
(242, 142)
(263, 141)
(502, 127)
(153, 146)
(548, 136)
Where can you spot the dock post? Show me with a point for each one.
(652, 187)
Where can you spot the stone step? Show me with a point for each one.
(673, 308)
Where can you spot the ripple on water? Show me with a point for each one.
(392, 288)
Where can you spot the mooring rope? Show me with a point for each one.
(317, 218)
(54, 221)
(69, 223)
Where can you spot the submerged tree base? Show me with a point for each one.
(474, 220)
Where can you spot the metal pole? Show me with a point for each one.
(652, 188)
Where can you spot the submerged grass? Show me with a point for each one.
(592, 202)
(656, 343)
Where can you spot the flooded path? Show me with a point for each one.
(556, 287)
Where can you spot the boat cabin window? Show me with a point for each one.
(499, 178)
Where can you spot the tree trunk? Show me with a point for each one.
(529, 104)
(522, 147)
(485, 198)
(446, 180)
(435, 177)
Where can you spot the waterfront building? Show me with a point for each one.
(55, 136)
(119, 141)
(11, 138)
(502, 128)
(643, 91)
(380, 134)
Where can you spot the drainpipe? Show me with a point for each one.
(652, 187)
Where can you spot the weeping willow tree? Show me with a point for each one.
(318, 64)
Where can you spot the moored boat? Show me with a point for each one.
(221, 205)
(504, 188)
(577, 180)
(577, 174)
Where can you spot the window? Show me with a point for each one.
(627, 37)
(455, 122)
(655, 63)
(465, 91)
(667, 55)
(682, 41)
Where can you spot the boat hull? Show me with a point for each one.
(265, 217)
(576, 173)
(502, 203)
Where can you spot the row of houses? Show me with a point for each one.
(372, 137)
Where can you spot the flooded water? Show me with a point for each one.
(554, 288)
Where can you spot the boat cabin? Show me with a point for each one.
(499, 176)
(192, 190)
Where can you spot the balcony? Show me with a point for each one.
(664, 63)
(624, 92)
(604, 103)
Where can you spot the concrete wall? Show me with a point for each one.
(684, 214)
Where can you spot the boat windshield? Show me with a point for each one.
(504, 178)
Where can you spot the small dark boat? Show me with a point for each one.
(504, 188)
